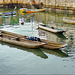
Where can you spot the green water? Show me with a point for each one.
(20, 60)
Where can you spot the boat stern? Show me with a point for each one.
(64, 45)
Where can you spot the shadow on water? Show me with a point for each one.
(59, 35)
(62, 36)
(38, 52)
(59, 53)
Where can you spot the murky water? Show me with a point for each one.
(19, 60)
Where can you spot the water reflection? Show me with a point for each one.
(26, 18)
(38, 52)
(46, 35)
(9, 20)
(59, 53)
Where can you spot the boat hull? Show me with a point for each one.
(53, 45)
(44, 43)
(23, 44)
(32, 11)
(49, 29)
(69, 21)
(20, 41)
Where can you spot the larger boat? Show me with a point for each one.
(29, 42)
(19, 40)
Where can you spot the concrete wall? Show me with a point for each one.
(67, 3)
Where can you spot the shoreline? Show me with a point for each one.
(49, 8)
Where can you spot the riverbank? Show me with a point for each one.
(57, 9)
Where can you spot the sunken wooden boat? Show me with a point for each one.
(54, 45)
(20, 41)
(9, 13)
(30, 43)
(69, 21)
(24, 10)
(51, 29)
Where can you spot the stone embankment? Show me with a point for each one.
(51, 5)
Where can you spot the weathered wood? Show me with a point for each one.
(51, 29)
(47, 44)
(20, 41)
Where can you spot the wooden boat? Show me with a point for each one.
(9, 13)
(53, 45)
(51, 29)
(24, 10)
(9, 38)
(70, 21)
(31, 44)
